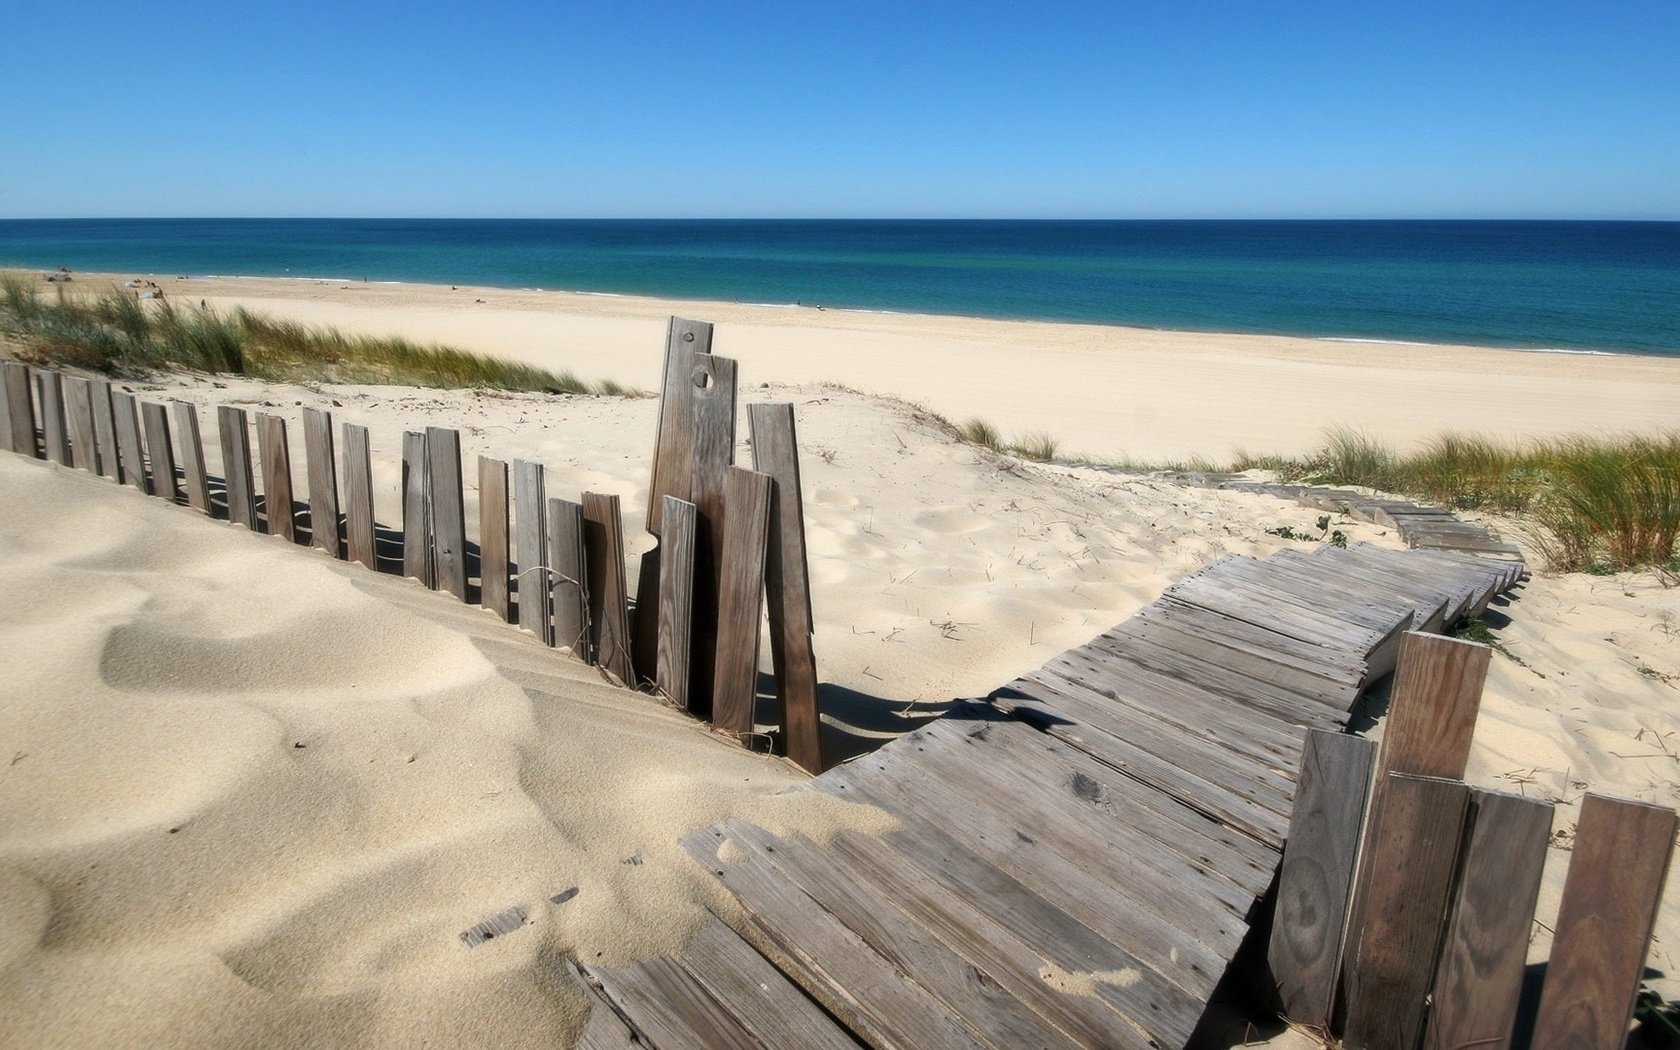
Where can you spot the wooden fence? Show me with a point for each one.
(729, 540)
(1406, 898)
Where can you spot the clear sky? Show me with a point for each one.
(1503, 108)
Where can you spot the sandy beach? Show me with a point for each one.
(254, 795)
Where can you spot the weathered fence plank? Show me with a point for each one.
(56, 433)
(160, 452)
(493, 536)
(676, 598)
(788, 585)
(19, 408)
(235, 434)
(276, 455)
(1317, 875)
(417, 525)
(609, 618)
(530, 549)
(78, 406)
(570, 586)
(1432, 714)
(1479, 979)
(359, 516)
(745, 535)
(714, 451)
(105, 429)
(1413, 844)
(448, 514)
(1609, 906)
(323, 480)
(190, 443)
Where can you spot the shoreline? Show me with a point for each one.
(1104, 391)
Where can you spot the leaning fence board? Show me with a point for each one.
(745, 532)
(676, 598)
(1317, 873)
(1432, 715)
(1479, 979)
(105, 428)
(54, 428)
(78, 408)
(323, 480)
(1413, 843)
(358, 497)
(714, 450)
(235, 435)
(571, 583)
(788, 584)
(20, 409)
(417, 526)
(530, 549)
(1609, 905)
(493, 535)
(609, 619)
(448, 514)
(276, 456)
(160, 453)
(190, 443)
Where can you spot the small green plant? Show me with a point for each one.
(1338, 539)
(1285, 532)
(1036, 445)
(979, 432)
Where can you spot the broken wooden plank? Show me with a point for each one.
(1610, 897)
(493, 536)
(746, 532)
(498, 925)
(417, 525)
(787, 581)
(78, 407)
(447, 510)
(55, 430)
(323, 480)
(569, 591)
(235, 435)
(714, 451)
(20, 409)
(359, 516)
(530, 549)
(105, 429)
(767, 1004)
(160, 453)
(275, 453)
(195, 480)
(676, 597)
(609, 617)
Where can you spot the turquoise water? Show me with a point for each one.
(1612, 286)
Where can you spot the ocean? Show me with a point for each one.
(1567, 286)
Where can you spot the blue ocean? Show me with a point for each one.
(1607, 286)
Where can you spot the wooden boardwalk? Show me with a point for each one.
(1078, 857)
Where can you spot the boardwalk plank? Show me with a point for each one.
(671, 1007)
(766, 1003)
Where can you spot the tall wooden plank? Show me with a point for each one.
(745, 535)
(20, 409)
(493, 536)
(275, 453)
(449, 528)
(1432, 713)
(131, 450)
(1413, 842)
(105, 429)
(787, 581)
(417, 527)
(676, 599)
(191, 447)
(714, 450)
(234, 432)
(603, 551)
(78, 407)
(1609, 906)
(323, 480)
(6, 438)
(359, 516)
(1317, 875)
(530, 549)
(54, 427)
(160, 452)
(1479, 979)
(569, 593)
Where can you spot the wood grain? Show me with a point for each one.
(20, 409)
(570, 583)
(1432, 712)
(235, 434)
(105, 429)
(745, 536)
(417, 524)
(530, 549)
(1413, 843)
(609, 619)
(359, 515)
(190, 445)
(160, 453)
(713, 381)
(275, 453)
(323, 480)
(78, 407)
(493, 536)
(55, 429)
(1610, 898)
(1479, 979)
(448, 513)
(787, 581)
(676, 598)
(1317, 874)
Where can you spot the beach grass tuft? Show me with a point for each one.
(117, 333)
(978, 431)
(1036, 445)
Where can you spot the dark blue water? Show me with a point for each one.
(1566, 285)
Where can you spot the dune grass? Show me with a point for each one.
(116, 333)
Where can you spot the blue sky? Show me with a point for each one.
(985, 109)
